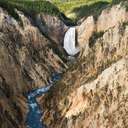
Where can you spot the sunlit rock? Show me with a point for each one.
(27, 59)
(85, 31)
(52, 26)
(111, 17)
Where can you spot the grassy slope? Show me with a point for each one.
(29, 7)
(76, 9)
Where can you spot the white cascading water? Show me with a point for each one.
(35, 113)
(69, 42)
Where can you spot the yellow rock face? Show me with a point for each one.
(94, 92)
(27, 59)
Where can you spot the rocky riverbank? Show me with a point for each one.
(93, 91)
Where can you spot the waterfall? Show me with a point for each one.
(69, 42)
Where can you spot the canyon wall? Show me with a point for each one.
(93, 93)
(27, 60)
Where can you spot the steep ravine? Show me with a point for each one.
(93, 92)
(35, 113)
(93, 89)
(27, 61)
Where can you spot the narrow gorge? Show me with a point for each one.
(35, 113)
(59, 73)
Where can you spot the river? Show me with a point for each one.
(35, 113)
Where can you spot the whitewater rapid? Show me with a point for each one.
(70, 41)
(35, 113)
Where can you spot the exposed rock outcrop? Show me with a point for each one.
(109, 18)
(103, 102)
(52, 26)
(93, 93)
(85, 31)
(27, 59)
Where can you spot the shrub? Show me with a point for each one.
(29, 7)
(116, 1)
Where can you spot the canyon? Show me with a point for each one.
(92, 88)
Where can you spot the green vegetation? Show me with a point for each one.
(94, 37)
(73, 9)
(29, 7)
(77, 9)
(116, 1)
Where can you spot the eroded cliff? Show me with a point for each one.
(93, 91)
(27, 60)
